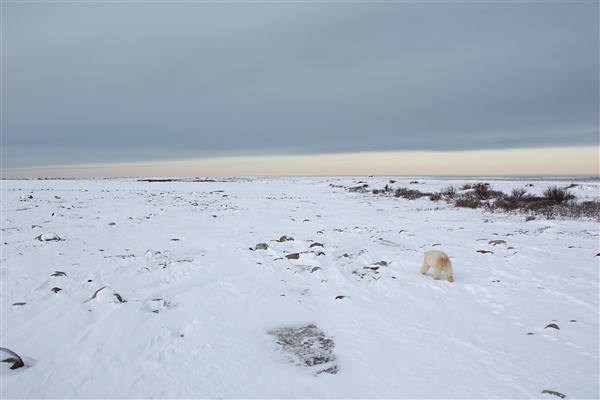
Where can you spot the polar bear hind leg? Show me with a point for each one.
(448, 272)
(425, 266)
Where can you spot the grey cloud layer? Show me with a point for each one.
(94, 82)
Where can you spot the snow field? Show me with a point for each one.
(199, 304)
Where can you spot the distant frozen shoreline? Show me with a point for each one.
(247, 178)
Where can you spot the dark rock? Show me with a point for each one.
(48, 237)
(10, 356)
(307, 346)
(552, 392)
(109, 291)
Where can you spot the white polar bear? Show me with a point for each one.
(439, 261)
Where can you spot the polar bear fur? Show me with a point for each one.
(440, 262)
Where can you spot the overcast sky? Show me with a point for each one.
(93, 82)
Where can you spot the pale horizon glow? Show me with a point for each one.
(546, 161)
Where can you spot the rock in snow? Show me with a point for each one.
(48, 237)
(10, 357)
(307, 346)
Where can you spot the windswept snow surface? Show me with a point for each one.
(201, 312)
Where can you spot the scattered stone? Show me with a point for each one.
(332, 370)
(307, 346)
(48, 237)
(496, 242)
(285, 238)
(56, 289)
(339, 297)
(9, 356)
(260, 246)
(35, 226)
(107, 294)
(552, 326)
(293, 256)
(360, 275)
(573, 320)
(59, 273)
(552, 392)
(485, 251)
(316, 245)
(156, 259)
(18, 304)
(122, 256)
(315, 269)
(111, 224)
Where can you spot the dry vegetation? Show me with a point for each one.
(554, 202)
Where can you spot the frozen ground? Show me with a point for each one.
(347, 315)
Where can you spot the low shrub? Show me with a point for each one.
(410, 194)
(359, 189)
(437, 196)
(558, 195)
(518, 193)
(467, 201)
(573, 210)
(484, 191)
(449, 192)
(555, 202)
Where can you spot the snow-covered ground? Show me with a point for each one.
(347, 315)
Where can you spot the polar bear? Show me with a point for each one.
(439, 261)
